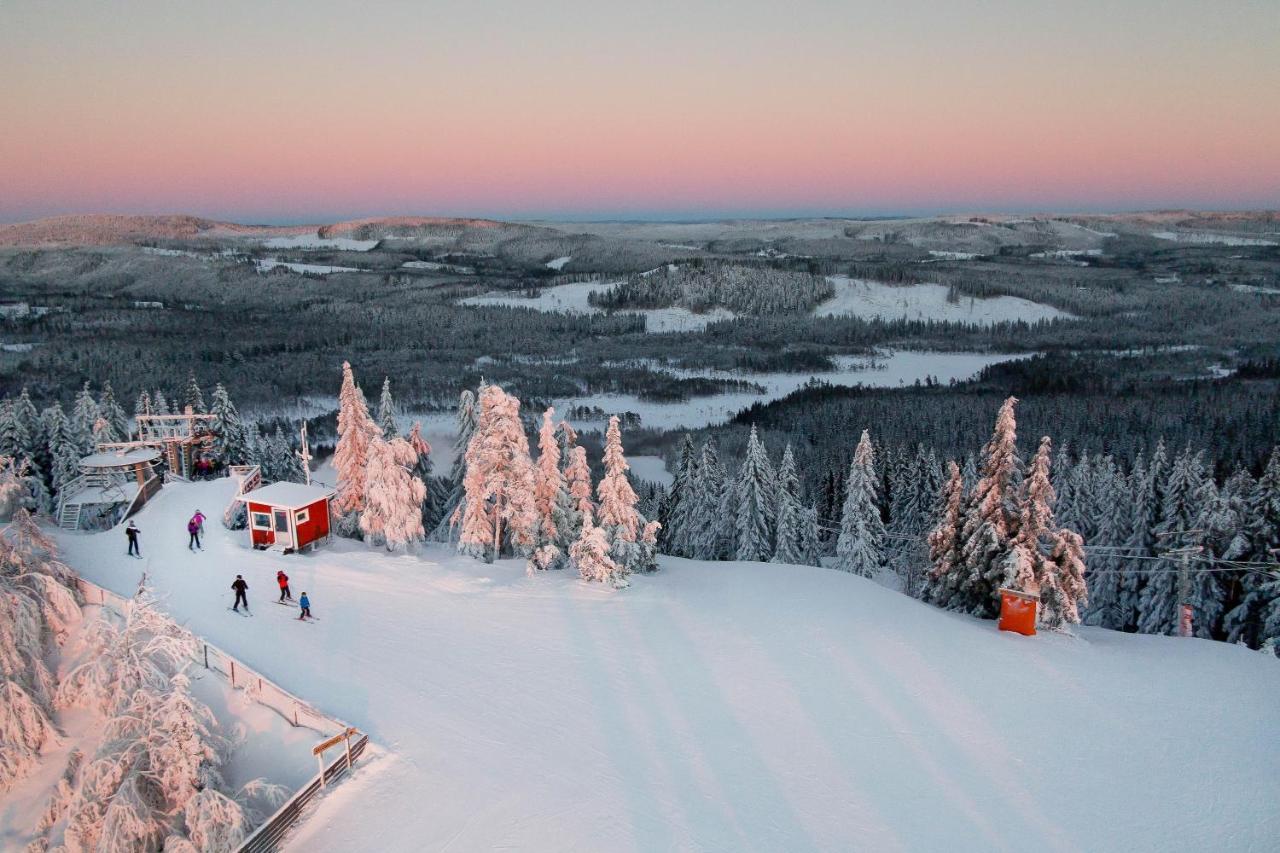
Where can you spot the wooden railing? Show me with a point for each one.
(266, 692)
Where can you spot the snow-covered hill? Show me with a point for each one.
(722, 706)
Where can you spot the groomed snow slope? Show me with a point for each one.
(722, 707)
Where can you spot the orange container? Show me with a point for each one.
(1018, 612)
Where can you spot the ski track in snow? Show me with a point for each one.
(730, 706)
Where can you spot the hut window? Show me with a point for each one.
(261, 521)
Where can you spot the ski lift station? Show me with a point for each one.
(117, 480)
(288, 517)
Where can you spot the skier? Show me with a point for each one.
(283, 580)
(305, 604)
(199, 519)
(241, 588)
(193, 530)
(131, 533)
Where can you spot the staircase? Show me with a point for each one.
(69, 516)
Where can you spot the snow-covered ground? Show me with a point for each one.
(928, 302)
(315, 241)
(268, 264)
(267, 747)
(1210, 238)
(650, 468)
(572, 299)
(558, 263)
(731, 706)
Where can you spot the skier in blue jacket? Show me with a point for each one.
(305, 604)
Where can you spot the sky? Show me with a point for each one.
(321, 110)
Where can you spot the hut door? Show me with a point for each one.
(284, 535)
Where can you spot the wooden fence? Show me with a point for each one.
(266, 692)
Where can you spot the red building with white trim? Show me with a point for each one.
(288, 516)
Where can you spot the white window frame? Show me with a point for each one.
(254, 517)
(302, 516)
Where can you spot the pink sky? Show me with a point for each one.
(317, 110)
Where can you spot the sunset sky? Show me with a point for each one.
(308, 111)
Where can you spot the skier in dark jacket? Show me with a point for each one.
(193, 531)
(131, 533)
(305, 604)
(283, 580)
(241, 588)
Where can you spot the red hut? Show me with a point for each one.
(288, 516)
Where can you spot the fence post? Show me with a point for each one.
(348, 742)
(295, 715)
(233, 672)
(320, 762)
(206, 655)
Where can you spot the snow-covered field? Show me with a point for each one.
(572, 299)
(732, 706)
(650, 468)
(558, 263)
(928, 302)
(268, 264)
(1210, 238)
(315, 241)
(888, 370)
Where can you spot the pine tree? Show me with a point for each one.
(756, 503)
(551, 497)
(1046, 559)
(24, 411)
(142, 406)
(351, 456)
(1180, 509)
(422, 470)
(1261, 533)
(860, 547)
(113, 414)
(466, 423)
(83, 417)
(159, 405)
(677, 510)
(946, 559)
(617, 512)
(230, 435)
(497, 510)
(790, 540)
(392, 512)
(710, 531)
(590, 555)
(991, 518)
(1108, 567)
(387, 412)
(577, 477)
(193, 397)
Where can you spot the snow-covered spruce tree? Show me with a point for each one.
(709, 529)
(1145, 483)
(230, 435)
(566, 439)
(946, 561)
(387, 411)
(83, 417)
(497, 512)
(351, 455)
(1261, 533)
(757, 503)
(422, 470)
(618, 517)
(1220, 536)
(114, 413)
(25, 412)
(678, 508)
(552, 499)
(789, 541)
(14, 436)
(1108, 567)
(1183, 490)
(466, 423)
(590, 555)
(143, 406)
(193, 397)
(392, 514)
(1046, 559)
(64, 450)
(159, 405)
(991, 521)
(577, 475)
(860, 546)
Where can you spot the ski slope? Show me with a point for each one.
(725, 707)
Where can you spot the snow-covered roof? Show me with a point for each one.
(287, 495)
(119, 459)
